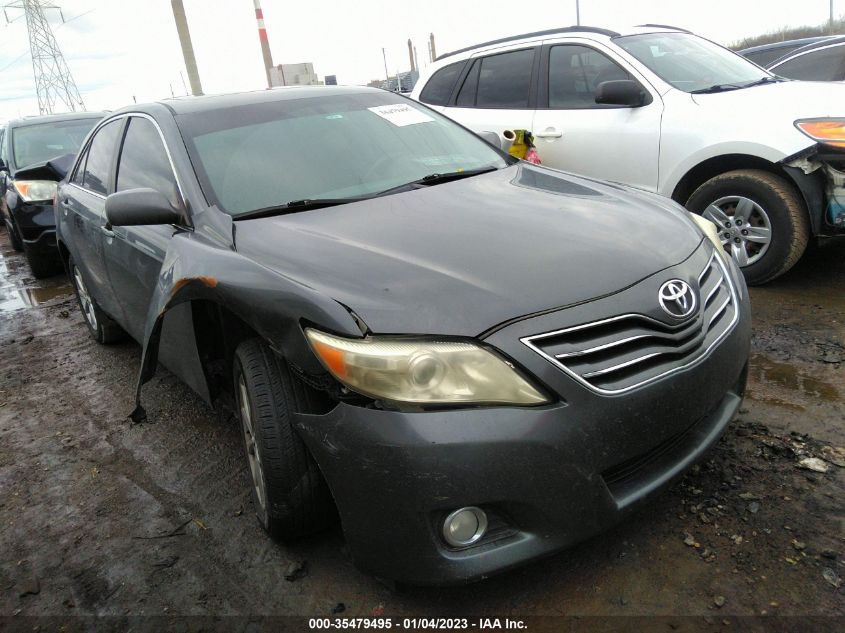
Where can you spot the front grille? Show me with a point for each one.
(622, 353)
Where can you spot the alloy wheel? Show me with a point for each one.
(255, 467)
(85, 299)
(744, 228)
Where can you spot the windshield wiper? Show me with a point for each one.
(295, 206)
(727, 87)
(437, 179)
(716, 88)
(763, 80)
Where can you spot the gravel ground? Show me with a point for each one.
(100, 517)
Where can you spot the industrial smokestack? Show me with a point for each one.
(411, 55)
(187, 47)
(265, 45)
(431, 47)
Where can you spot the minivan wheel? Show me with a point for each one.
(762, 221)
(101, 326)
(290, 496)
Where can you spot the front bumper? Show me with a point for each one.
(36, 224)
(548, 476)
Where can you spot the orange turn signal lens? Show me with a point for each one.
(827, 131)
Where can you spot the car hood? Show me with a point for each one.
(462, 257)
(786, 99)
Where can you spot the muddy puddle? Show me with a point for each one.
(19, 294)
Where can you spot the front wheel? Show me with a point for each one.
(42, 265)
(290, 496)
(762, 221)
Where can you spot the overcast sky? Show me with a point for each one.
(120, 49)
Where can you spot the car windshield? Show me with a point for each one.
(39, 143)
(690, 63)
(337, 146)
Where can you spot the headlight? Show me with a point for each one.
(711, 231)
(36, 190)
(423, 372)
(827, 131)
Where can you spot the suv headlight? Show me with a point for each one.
(827, 131)
(36, 190)
(423, 371)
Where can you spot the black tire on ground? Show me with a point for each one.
(15, 239)
(297, 499)
(42, 265)
(104, 329)
(790, 223)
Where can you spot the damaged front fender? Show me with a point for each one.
(199, 266)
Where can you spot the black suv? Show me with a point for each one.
(31, 153)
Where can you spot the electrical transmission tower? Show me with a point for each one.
(53, 81)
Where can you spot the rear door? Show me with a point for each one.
(496, 91)
(575, 134)
(82, 205)
(134, 254)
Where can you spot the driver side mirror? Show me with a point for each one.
(138, 207)
(622, 92)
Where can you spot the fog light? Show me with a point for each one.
(464, 526)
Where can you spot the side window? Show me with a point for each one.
(466, 97)
(504, 80)
(80, 170)
(818, 65)
(144, 163)
(574, 74)
(100, 156)
(439, 88)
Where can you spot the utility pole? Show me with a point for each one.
(830, 28)
(578, 12)
(265, 43)
(53, 81)
(187, 46)
(386, 74)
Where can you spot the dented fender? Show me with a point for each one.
(200, 266)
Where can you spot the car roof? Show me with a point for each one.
(822, 43)
(49, 118)
(190, 104)
(592, 31)
(796, 43)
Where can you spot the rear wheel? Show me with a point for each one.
(290, 496)
(762, 221)
(101, 326)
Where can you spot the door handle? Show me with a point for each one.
(549, 133)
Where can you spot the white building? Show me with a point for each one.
(294, 75)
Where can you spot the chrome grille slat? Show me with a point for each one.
(625, 352)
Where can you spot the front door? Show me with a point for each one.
(134, 254)
(575, 134)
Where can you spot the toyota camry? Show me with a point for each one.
(468, 360)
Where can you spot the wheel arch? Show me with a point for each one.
(715, 165)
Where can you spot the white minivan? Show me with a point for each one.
(664, 110)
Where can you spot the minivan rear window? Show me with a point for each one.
(439, 88)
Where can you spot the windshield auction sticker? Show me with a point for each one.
(401, 114)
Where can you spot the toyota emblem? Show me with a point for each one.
(677, 298)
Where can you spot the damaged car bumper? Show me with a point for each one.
(544, 477)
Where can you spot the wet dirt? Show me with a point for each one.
(98, 516)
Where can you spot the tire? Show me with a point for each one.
(767, 199)
(101, 326)
(17, 244)
(42, 265)
(290, 496)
